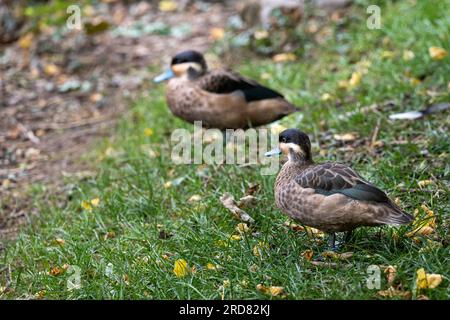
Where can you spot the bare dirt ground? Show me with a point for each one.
(60, 89)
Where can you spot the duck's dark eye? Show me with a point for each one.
(283, 140)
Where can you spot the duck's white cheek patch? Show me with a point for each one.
(296, 148)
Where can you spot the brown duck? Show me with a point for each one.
(219, 98)
(331, 197)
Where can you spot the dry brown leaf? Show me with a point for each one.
(437, 53)
(391, 292)
(337, 256)
(294, 226)
(390, 272)
(55, 271)
(308, 254)
(247, 202)
(252, 189)
(229, 203)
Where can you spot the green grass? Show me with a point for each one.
(135, 206)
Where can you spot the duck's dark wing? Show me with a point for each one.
(331, 178)
(224, 81)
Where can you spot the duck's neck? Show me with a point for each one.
(291, 169)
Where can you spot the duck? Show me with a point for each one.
(219, 98)
(331, 196)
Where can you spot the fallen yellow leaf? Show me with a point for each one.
(355, 79)
(427, 281)
(95, 202)
(259, 248)
(414, 81)
(387, 54)
(437, 53)
(272, 290)
(167, 5)
(276, 291)
(148, 132)
(60, 241)
(195, 198)
(326, 97)
(40, 294)
(217, 33)
(51, 69)
(408, 55)
(434, 280)
(26, 40)
(424, 183)
(210, 266)
(266, 76)
(423, 226)
(284, 57)
(181, 268)
(235, 237)
(346, 137)
(421, 280)
(86, 205)
(167, 184)
(242, 228)
(261, 34)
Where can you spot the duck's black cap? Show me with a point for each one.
(294, 136)
(188, 56)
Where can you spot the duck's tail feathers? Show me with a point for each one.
(290, 108)
(397, 216)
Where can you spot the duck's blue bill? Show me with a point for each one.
(164, 76)
(273, 152)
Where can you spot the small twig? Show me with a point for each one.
(418, 190)
(72, 125)
(375, 132)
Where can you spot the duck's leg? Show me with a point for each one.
(332, 241)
